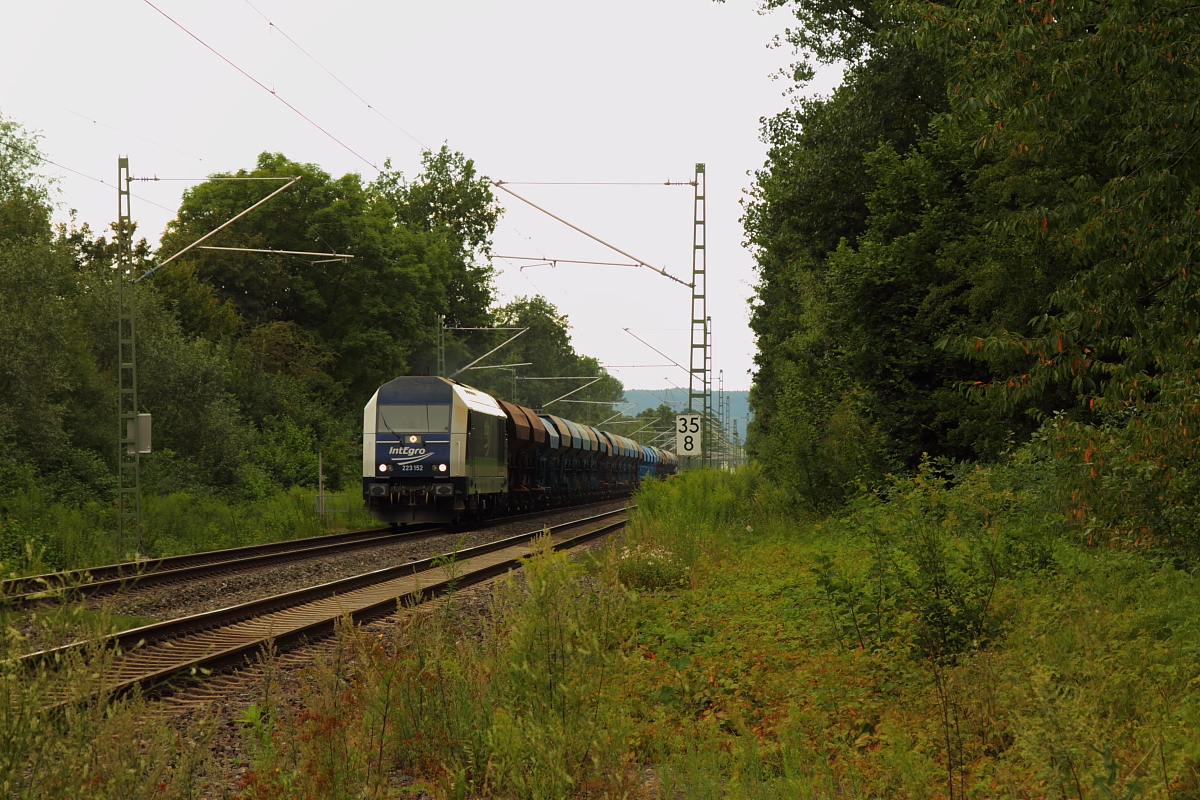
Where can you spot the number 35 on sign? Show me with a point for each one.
(687, 435)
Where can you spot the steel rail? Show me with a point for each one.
(74, 584)
(195, 571)
(153, 654)
(81, 579)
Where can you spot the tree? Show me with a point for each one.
(57, 342)
(450, 201)
(367, 315)
(881, 232)
(24, 195)
(1099, 100)
(810, 198)
(44, 359)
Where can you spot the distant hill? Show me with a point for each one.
(739, 403)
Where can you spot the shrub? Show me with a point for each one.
(936, 552)
(1127, 483)
(39, 532)
(526, 707)
(683, 524)
(559, 717)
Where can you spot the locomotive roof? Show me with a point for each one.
(415, 389)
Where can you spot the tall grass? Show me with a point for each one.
(684, 525)
(38, 533)
(528, 706)
(946, 637)
(61, 736)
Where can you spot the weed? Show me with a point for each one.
(61, 736)
(646, 567)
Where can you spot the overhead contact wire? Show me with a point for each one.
(42, 158)
(264, 87)
(329, 72)
(655, 349)
(497, 184)
(599, 183)
(663, 272)
(94, 121)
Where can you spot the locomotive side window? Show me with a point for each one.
(414, 419)
(486, 441)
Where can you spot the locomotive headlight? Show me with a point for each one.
(441, 469)
(385, 467)
(412, 438)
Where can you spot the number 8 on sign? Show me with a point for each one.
(687, 435)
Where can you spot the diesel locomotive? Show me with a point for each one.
(435, 450)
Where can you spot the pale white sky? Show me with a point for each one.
(533, 90)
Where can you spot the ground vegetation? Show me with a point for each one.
(947, 636)
(964, 562)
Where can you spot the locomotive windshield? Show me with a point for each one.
(414, 419)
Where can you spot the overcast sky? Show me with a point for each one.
(533, 90)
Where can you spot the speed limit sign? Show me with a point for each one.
(687, 434)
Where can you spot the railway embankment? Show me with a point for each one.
(948, 636)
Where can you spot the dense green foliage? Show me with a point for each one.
(940, 639)
(252, 364)
(977, 359)
(989, 222)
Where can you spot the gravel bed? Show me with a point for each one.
(214, 592)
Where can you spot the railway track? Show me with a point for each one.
(152, 655)
(77, 584)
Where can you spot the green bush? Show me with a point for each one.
(559, 717)
(935, 552)
(288, 452)
(24, 552)
(40, 534)
(644, 567)
(1125, 484)
(527, 707)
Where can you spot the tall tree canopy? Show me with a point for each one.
(999, 196)
(250, 362)
(253, 362)
(450, 201)
(412, 247)
(1097, 102)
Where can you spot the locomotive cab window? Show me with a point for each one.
(439, 419)
(414, 419)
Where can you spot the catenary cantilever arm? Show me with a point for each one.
(160, 265)
(663, 272)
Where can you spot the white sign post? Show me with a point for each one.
(687, 434)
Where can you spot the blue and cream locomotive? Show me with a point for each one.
(435, 450)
